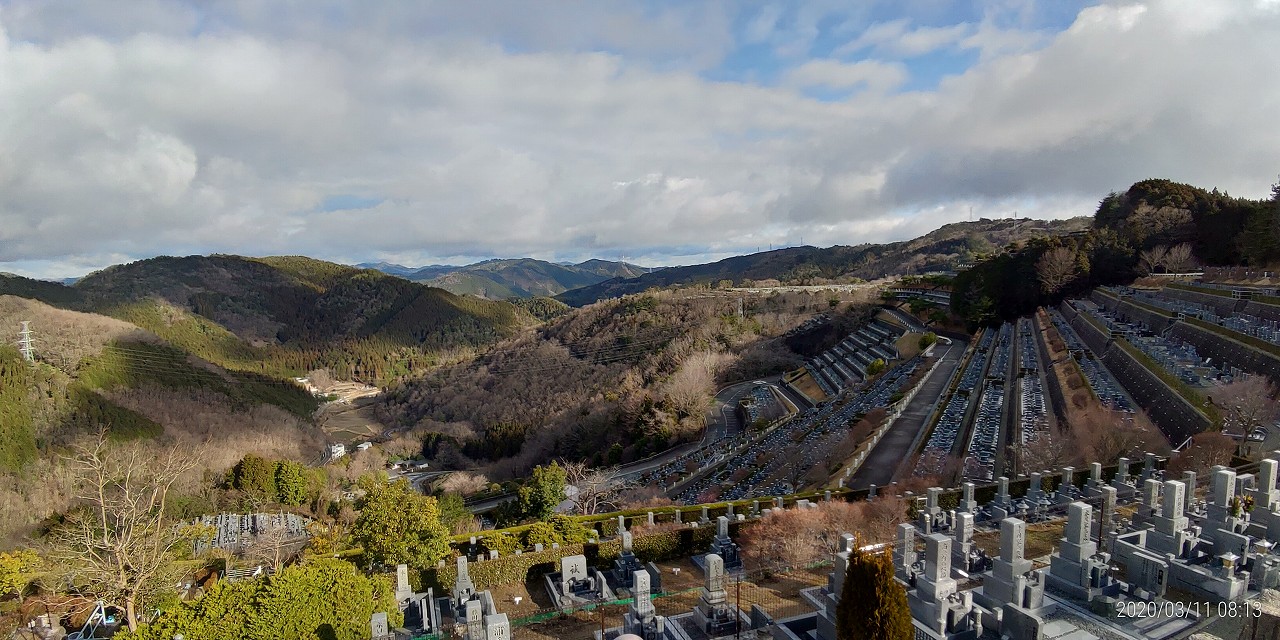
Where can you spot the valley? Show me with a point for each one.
(309, 387)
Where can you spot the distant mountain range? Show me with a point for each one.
(512, 278)
(942, 249)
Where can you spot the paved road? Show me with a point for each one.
(895, 447)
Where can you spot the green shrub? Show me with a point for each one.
(541, 533)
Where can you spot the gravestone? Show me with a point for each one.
(1076, 567)
(497, 627)
(1107, 514)
(1067, 491)
(1148, 466)
(1149, 502)
(1124, 489)
(1222, 492)
(1189, 480)
(712, 613)
(574, 579)
(725, 548)
(475, 619)
(1002, 505)
(1035, 489)
(967, 503)
(642, 620)
(904, 553)
(626, 564)
(463, 587)
(935, 602)
(1265, 494)
(965, 556)
(378, 627)
(830, 599)
(1012, 580)
(403, 591)
(930, 514)
(1093, 486)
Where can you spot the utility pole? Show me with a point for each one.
(24, 342)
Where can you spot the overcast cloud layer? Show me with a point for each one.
(662, 133)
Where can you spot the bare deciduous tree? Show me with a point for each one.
(1205, 450)
(1056, 268)
(1153, 258)
(599, 490)
(320, 378)
(463, 483)
(273, 547)
(1102, 435)
(1180, 259)
(1247, 404)
(1050, 450)
(117, 545)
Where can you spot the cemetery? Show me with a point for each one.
(1061, 555)
(1049, 554)
(234, 531)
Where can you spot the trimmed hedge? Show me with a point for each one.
(526, 567)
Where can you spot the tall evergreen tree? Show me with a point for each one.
(545, 490)
(399, 525)
(872, 605)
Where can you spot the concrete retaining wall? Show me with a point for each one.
(1175, 417)
(1262, 310)
(1221, 305)
(1091, 336)
(1219, 348)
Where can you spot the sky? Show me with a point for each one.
(658, 132)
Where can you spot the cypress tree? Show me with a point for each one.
(873, 606)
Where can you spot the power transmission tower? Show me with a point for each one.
(24, 342)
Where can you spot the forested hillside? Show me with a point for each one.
(513, 278)
(93, 372)
(1154, 226)
(611, 382)
(284, 316)
(939, 250)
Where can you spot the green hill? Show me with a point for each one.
(96, 371)
(283, 316)
(514, 278)
(1221, 231)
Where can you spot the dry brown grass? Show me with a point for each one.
(64, 337)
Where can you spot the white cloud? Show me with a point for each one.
(878, 76)
(895, 39)
(486, 136)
